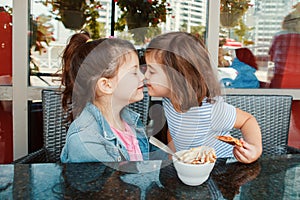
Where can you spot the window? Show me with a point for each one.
(263, 18)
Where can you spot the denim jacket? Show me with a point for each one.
(90, 138)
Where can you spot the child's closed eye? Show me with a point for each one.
(134, 71)
(151, 69)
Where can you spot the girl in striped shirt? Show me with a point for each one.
(179, 70)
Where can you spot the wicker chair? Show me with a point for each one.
(273, 115)
(55, 128)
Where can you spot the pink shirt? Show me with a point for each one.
(130, 141)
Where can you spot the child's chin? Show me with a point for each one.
(152, 94)
(138, 97)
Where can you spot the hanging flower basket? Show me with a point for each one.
(141, 13)
(73, 19)
(76, 14)
(136, 20)
(138, 14)
(231, 11)
(137, 26)
(229, 20)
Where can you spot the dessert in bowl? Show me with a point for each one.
(195, 165)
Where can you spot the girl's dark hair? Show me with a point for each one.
(84, 62)
(188, 69)
(245, 55)
(68, 73)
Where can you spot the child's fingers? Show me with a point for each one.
(244, 154)
(240, 150)
(239, 156)
(242, 140)
(245, 144)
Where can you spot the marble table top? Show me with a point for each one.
(275, 177)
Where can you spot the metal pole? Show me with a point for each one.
(112, 23)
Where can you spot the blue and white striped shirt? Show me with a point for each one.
(199, 125)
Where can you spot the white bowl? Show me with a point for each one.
(192, 174)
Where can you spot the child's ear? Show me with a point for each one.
(105, 86)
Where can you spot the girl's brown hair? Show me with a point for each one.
(245, 55)
(188, 68)
(84, 62)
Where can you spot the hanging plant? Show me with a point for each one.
(231, 11)
(77, 14)
(141, 13)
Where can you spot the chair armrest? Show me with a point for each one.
(292, 150)
(39, 156)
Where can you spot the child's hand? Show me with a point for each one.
(247, 153)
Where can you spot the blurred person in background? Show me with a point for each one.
(285, 53)
(245, 67)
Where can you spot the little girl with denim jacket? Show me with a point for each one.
(100, 78)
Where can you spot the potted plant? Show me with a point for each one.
(75, 14)
(141, 13)
(72, 14)
(231, 11)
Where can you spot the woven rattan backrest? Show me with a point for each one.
(272, 113)
(142, 107)
(55, 128)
